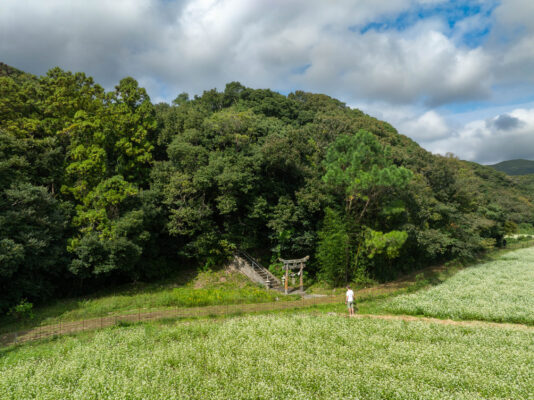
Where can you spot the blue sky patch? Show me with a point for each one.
(482, 109)
(300, 70)
(450, 12)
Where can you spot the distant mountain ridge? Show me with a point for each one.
(515, 167)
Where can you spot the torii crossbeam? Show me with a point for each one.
(299, 264)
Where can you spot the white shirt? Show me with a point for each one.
(350, 295)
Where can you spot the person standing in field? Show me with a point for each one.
(349, 300)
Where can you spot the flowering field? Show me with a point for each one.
(276, 357)
(501, 290)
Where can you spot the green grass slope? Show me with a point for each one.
(276, 357)
(185, 290)
(310, 354)
(515, 167)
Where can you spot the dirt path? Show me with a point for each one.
(65, 328)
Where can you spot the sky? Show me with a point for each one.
(455, 76)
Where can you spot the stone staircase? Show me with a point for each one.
(247, 265)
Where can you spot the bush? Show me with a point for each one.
(22, 311)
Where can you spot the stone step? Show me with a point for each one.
(262, 273)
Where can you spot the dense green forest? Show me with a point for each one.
(99, 188)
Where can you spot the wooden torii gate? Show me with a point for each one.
(299, 264)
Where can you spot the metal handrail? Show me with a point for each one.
(250, 259)
(257, 265)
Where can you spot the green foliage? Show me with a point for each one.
(388, 243)
(362, 167)
(32, 242)
(525, 228)
(333, 249)
(515, 167)
(23, 310)
(510, 227)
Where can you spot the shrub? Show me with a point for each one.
(22, 311)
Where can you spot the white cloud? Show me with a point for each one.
(511, 42)
(430, 126)
(402, 76)
(399, 67)
(417, 123)
(503, 137)
(197, 45)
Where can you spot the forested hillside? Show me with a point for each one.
(515, 167)
(98, 187)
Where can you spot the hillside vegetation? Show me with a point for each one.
(205, 289)
(99, 188)
(515, 167)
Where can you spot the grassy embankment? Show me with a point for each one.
(186, 290)
(207, 289)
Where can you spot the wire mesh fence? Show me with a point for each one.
(139, 315)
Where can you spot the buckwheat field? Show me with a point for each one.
(277, 357)
(501, 291)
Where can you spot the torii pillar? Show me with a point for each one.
(299, 264)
